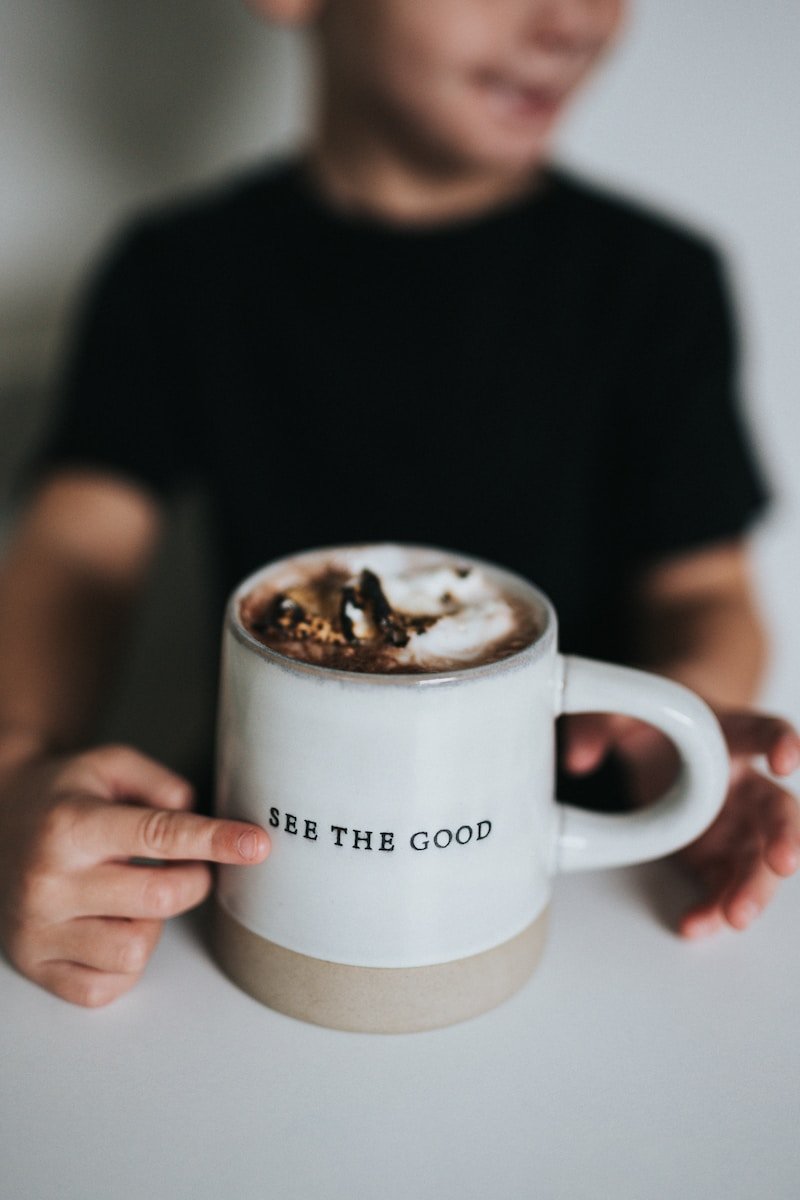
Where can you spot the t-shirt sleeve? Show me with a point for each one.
(689, 470)
(119, 404)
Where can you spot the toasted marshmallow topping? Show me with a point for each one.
(386, 608)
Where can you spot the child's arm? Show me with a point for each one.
(75, 915)
(72, 574)
(695, 620)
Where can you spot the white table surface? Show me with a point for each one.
(632, 1065)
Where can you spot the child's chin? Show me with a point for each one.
(497, 145)
(511, 155)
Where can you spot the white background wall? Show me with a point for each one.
(106, 104)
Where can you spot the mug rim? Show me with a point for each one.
(535, 649)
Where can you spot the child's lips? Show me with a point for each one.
(523, 101)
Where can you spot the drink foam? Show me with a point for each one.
(387, 608)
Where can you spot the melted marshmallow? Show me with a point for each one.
(472, 613)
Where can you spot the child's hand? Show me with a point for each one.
(755, 840)
(76, 915)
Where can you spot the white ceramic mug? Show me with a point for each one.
(415, 833)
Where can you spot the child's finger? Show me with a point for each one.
(123, 773)
(108, 831)
(586, 740)
(773, 821)
(746, 886)
(748, 898)
(702, 920)
(749, 733)
(82, 985)
(782, 851)
(139, 893)
(107, 944)
(784, 755)
(187, 836)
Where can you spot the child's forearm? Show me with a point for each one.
(56, 650)
(695, 619)
(66, 589)
(717, 647)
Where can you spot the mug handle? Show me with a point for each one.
(584, 839)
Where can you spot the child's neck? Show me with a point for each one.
(364, 174)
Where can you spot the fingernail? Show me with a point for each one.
(247, 844)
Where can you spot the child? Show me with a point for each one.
(416, 331)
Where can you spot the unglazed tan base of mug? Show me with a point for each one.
(374, 999)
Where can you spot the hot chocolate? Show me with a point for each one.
(387, 609)
(411, 813)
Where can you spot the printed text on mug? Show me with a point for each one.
(380, 840)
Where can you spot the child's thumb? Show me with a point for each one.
(587, 739)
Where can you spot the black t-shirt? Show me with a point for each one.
(550, 386)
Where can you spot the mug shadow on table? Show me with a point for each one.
(198, 927)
